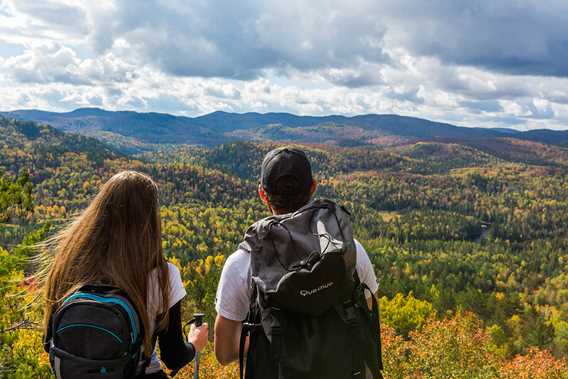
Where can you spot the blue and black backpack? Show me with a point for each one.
(95, 333)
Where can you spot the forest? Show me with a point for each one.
(469, 241)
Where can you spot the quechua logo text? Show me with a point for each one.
(315, 290)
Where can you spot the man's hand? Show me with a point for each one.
(227, 339)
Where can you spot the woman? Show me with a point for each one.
(117, 242)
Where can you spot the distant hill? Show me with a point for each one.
(26, 144)
(144, 127)
(221, 127)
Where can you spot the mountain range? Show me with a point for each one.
(128, 128)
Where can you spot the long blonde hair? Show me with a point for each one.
(115, 241)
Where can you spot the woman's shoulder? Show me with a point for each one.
(177, 289)
(173, 270)
(174, 276)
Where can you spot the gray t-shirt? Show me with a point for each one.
(234, 292)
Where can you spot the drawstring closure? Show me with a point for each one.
(305, 262)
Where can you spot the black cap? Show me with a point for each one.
(286, 162)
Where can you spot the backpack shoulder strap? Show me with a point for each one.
(251, 322)
(375, 319)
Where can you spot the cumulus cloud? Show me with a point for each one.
(358, 76)
(487, 106)
(52, 62)
(44, 64)
(518, 37)
(475, 63)
(242, 39)
(60, 15)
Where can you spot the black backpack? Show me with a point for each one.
(95, 333)
(309, 318)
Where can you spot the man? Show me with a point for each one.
(286, 185)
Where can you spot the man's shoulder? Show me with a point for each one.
(363, 259)
(360, 249)
(237, 262)
(240, 255)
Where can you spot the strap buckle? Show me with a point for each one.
(251, 325)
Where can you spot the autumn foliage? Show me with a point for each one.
(468, 242)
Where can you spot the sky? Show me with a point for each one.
(482, 63)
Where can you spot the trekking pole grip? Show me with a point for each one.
(198, 321)
(198, 317)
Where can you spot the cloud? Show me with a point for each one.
(538, 109)
(488, 106)
(359, 76)
(223, 91)
(243, 39)
(47, 63)
(517, 37)
(55, 14)
(52, 62)
(475, 63)
(558, 96)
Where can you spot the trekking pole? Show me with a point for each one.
(198, 321)
(198, 317)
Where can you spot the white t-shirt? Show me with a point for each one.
(177, 292)
(234, 292)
